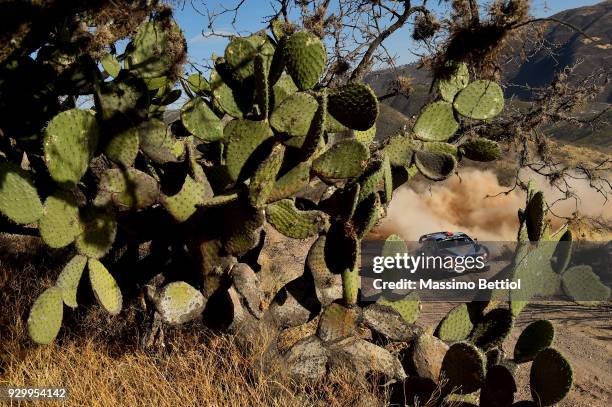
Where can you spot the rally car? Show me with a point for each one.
(455, 245)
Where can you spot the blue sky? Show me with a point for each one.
(252, 15)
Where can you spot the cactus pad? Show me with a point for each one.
(122, 148)
(98, 234)
(179, 302)
(449, 87)
(337, 322)
(441, 147)
(197, 83)
(400, 150)
(294, 115)
(354, 105)
(350, 285)
(129, 189)
(366, 136)
(282, 89)
(244, 137)
(291, 182)
(157, 142)
(480, 100)
(435, 166)
(105, 287)
(345, 159)
(59, 224)
(200, 121)
(499, 387)
(183, 204)
(538, 336)
(292, 222)
(563, 252)
(69, 279)
(125, 97)
(239, 55)
(582, 285)
(480, 149)
(534, 216)
(436, 122)
(70, 141)
(456, 325)
(366, 215)
(46, 315)
(19, 200)
(408, 307)
(464, 368)
(111, 65)
(263, 181)
(305, 58)
(551, 377)
(152, 54)
(227, 100)
(492, 329)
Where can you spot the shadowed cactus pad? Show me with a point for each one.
(538, 336)
(46, 316)
(493, 329)
(129, 189)
(69, 278)
(534, 216)
(435, 166)
(98, 234)
(441, 147)
(123, 147)
(70, 141)
(197, 83)
(151, 54)
(244, 137)
(480, 149)
(464, 368)
(292, 222)
(456, 325)
(179, 302)
(305, 58)
(157, 142)
(366, 215)
(19, 200)
(581, 284)
(345, 159)
(408, 307)
(105, 287)
(436, 122)
(59, 224)
(449, 87)
(126, 97)
(551, 377)
(354, 105)
(480, 100)
(294, 114)
(184, 204)
(291, 182)
(264, 179)
(499, 387)
(200, 121)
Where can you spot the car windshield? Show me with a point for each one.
(454, 243)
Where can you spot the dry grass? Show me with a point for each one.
(98, 358)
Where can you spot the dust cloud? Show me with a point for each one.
(461, 204)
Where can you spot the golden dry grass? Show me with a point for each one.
(98, 359)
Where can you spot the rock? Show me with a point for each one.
(307, 359)
(337, 322)
(247, 285)
(389, 323)
(178, 302)
(290, 336)
(295, 304)
(427, 355)
(365, 357)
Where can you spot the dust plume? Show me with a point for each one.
(461, 204)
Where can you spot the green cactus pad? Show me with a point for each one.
(263, 181)
(19, 199)
(46, 315)
(456, 325)
(366, 136)
(551, 377)
(184, 204)
(239, 55)
(435, 166)
(244, 137)
(314, 142)
(98, 234)
(350, 285)
(227, 100)
(70, 141)
(534, 216)
(262, 87)
(153, 48)
(373, 179)
(449, 87)
(292, 222)
(200, 121)
(243, 228)
(197, 83)
(492, 329)
(480, 149)
(105, 287)
(305, 58)
(400, 150)
(480, 100)
(499, 387)
(125, 97)
(282, 89)
(127, 189)
(291, 182)
(436, 122)
(581, 284)
(408, 307)
(69, 279)
(157, 141)
(441, 147)
(354, 105)
(538, 336)
(345, 159)
(179, 302)
(294, 115)
(367, 214)
(123, 147)
(111, 65)
(464, 368)
(59, 224)
(221, 199)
